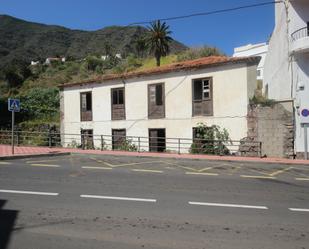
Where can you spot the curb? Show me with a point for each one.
(198, 159)
(34, 155)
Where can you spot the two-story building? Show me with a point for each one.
(286, 68)
(163, 102)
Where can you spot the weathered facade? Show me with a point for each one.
(163, 102)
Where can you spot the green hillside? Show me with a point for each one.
(28, 41)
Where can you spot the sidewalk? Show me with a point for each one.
(5, 151)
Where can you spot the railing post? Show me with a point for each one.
(102, 143)
(260, 150)
(139, 144)
(179, 146)
(17, 138)
(83, 141)
(49, 139)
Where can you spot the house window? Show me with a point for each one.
(202, 102)
(156, 103)
(118, 103)
(118, 138)
(86, 106)
(258, 73)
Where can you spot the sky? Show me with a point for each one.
(224, 30)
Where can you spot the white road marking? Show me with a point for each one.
(299, 209)
(45, 165)
(118, 198)
(259, 177)
(226, 205)
(27, 192)
(147, 170)
(202, 174)
(91, 167)
(302, 179)
(4, 163)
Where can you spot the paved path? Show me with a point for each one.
(100, 201)
(5, 150)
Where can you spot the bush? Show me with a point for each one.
(210, 140)
(195, 53)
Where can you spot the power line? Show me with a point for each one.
(207, 13)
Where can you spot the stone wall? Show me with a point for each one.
(273, 126)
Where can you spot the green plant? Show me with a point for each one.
(195, 53)
(158, 39)
(262, 101)
(210, 140)
(127, 145)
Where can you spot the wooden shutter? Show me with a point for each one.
(156, 101)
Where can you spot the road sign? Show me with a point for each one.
(13, 105)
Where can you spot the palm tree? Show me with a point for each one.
(158, 39)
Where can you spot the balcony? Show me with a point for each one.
(300, 41)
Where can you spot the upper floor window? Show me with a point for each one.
(118, 103)
(202, 102)
(86, 106)
(156, 102)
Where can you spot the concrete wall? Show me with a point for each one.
(232, 87)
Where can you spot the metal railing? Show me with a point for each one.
(243, 147)
(300, 33)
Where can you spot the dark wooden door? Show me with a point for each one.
(118, 138)
(157, 141)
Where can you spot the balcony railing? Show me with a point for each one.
(300, 33)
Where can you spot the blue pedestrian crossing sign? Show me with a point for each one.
(13, 105)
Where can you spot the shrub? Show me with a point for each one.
(210, 140)
(195, 53)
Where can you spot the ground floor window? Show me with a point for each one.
(118, 138)
(157, 141)
(87, 138)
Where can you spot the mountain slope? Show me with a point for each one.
(28, 41)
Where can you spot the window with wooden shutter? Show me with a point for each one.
(118, 138)
(202, 102)
(156, 101)
(118, 103)
(86, 106)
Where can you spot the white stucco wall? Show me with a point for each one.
(232, 86)
(284, 70)
(259, 49)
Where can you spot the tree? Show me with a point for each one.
(158, 39)
(140, 46)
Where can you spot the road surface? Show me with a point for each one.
(127, 202)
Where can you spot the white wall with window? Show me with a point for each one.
(225, 89)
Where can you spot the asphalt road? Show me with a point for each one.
(126, 202)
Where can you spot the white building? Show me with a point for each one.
(259, 49)
(168, 101)
(286, 69)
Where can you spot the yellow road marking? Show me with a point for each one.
(42, 161)
(207, 168)
(180, 166)
(90, 167)
(302, 179)
(280, 171)
(5, 163)
(258, 177)
(45, 165)
(203, 174)
(147, 170)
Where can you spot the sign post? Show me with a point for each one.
(13, 106)
(306, 140)
(305, 124)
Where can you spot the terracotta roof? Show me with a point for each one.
(204, 62)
